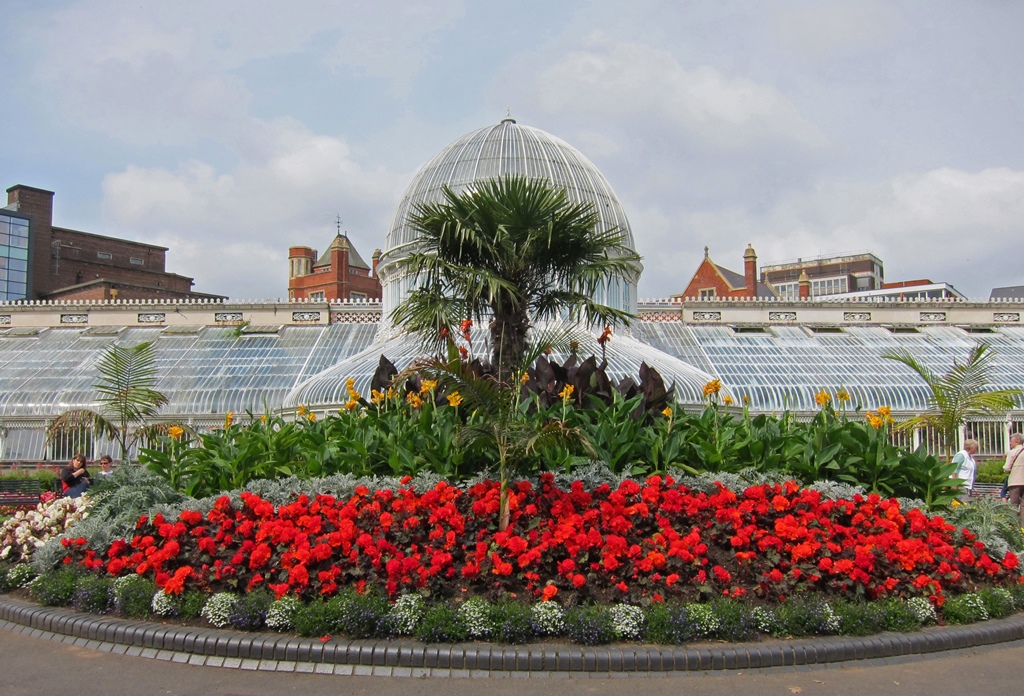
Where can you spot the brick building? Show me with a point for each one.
(714, 281)
(339, 274)
(65, 264)
(828, 275)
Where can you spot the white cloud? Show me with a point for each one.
(629, 81)
(947, 225)
(253, 213)
(170, 73)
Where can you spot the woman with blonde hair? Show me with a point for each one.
(1015, 468)
(966, 467)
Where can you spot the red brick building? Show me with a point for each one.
(65, 264)
(828, 275)
(714, 281)
(339, 274)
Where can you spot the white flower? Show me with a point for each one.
(627, 621)
(476, 615)
(548, 618)
(281, 613)
(406, 613)
(219, 607)
(164, 604)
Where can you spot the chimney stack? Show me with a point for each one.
(805, 286)
(750, 271)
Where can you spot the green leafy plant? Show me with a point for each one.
(958, 394)
(127, 398)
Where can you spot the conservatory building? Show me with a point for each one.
(215, 357)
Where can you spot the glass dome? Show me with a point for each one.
(505, 149)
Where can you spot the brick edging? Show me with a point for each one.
(506, 658)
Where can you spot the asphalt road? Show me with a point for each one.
(33, 666)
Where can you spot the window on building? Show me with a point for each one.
(318, 296)
(357, 296)
(707, 293)
(137, 261)
(105, 255)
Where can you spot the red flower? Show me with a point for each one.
(549, 593)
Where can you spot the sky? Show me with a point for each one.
(230, 130)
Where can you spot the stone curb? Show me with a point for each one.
(400, 656)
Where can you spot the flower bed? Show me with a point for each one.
(638, 543)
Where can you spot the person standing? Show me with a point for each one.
(967, 468)
(75, 477)
(1015, 468)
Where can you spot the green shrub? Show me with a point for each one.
(363, 616)
(94, 594)
(807, 616)
(899, 616)
(191, 603)
(589, 625)
(964, 609)
(990, 472)
(859, 618)
(737, 621)
(998, 602)
(55, 589)
(512, 622)
(318, 617)
(133, 596)
(250, 612)
(442, 624)
(670, 624)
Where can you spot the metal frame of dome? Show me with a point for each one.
(505, 149)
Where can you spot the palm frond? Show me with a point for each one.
(80, 419)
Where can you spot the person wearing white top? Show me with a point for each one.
(967, 468)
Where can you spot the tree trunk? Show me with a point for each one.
(508, 332)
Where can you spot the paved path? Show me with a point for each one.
(32, 666)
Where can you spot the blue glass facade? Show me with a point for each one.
(14, 263)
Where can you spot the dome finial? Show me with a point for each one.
(508, 115)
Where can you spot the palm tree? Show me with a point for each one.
(127, 397)
(510, 251)
(957, 395)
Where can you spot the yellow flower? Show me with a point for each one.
(525, 378)
(353, 395)
(955, 503)
(413, 399)
(428, 386)
(566, 392)
(263, 418)
(843, 396)
(667, 412)
(301, 411)
(746, 399)
(376, 397)
(727, 400)
(874, 420)
(311, 417)
(884, 411)
(454, 399)
(175, 432)
(713, 387)
(229, 419)
(822, 398)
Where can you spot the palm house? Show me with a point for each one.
(215, 357)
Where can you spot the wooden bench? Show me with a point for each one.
(19, 492)
(991, 490)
